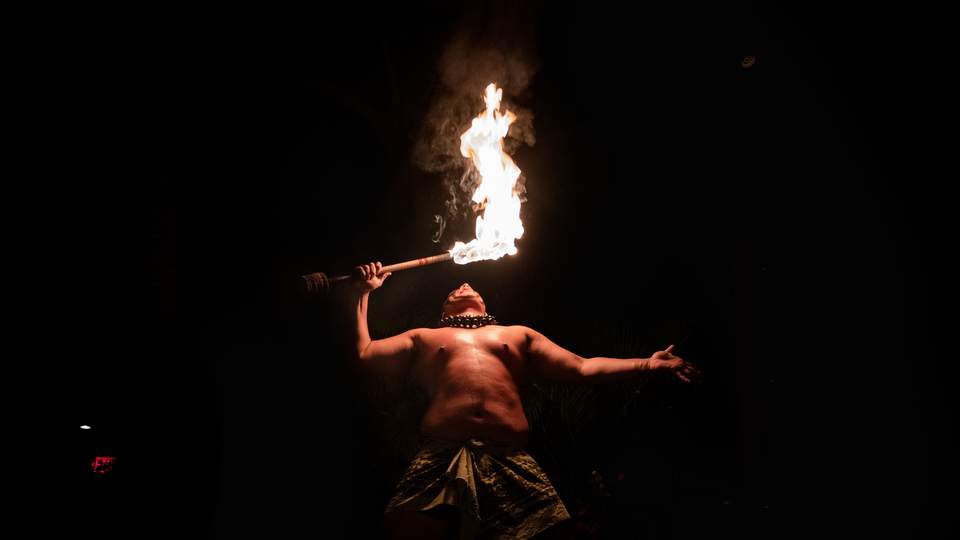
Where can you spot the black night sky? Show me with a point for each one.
(779, 220)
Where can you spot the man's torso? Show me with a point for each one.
(473, 378)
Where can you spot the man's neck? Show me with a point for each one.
(468, 319)
(469, 312)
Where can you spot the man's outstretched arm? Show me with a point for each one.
(554, 362)
(390, 356)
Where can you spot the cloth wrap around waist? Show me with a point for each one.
(499, 489)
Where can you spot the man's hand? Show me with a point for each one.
(667, 361)
(369, 277)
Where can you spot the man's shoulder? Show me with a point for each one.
(519, 327)
(526, 330)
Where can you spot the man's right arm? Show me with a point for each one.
(390, 356)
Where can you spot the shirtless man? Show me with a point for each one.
(471, 464)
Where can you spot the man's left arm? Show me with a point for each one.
(553, 362)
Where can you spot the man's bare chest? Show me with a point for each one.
(494, 340)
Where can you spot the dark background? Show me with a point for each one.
(783, 224)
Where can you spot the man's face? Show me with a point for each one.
(463, 298)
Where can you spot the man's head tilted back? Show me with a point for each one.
(463, 301)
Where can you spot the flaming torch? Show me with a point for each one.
(498, 225)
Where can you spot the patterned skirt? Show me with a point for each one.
(499, 490)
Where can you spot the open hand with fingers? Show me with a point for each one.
(666, 361)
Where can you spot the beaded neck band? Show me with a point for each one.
(468, 321)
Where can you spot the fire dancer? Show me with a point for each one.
(471, 467)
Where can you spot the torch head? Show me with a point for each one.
(463, 301)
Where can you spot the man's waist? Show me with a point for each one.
(482, 444)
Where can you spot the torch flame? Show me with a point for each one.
(499, 224)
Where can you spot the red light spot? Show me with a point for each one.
(102, 464)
